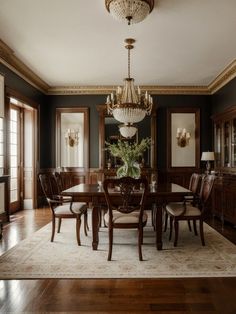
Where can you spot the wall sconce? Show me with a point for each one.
(72, 137)
(208, 156)
(182, 137)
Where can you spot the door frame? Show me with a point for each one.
(36, 138)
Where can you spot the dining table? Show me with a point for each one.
(157, 197)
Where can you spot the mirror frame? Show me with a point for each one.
(102, 111)
(85, 111)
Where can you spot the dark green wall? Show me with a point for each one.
(13, 81)
(48, 113)
(48, 105)
(225, 97)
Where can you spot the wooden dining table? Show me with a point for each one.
(159, 195)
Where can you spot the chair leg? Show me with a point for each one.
(154, 211)
(140, 242)
(78, 224)
(1, 227)
(85, 222)
(166, 221)
(171, 227)
(201, 231)
(59, 225)
(110, 243)
(176, 223)
(195, 227)
(189, 226)
(53, 228)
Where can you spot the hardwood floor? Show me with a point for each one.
(192, 295)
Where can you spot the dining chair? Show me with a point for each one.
(60, 207)
(194, 187)
(191, 212)
(124, 210)
(62, 183)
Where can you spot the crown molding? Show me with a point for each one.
(223, 78)
(106, 89)
(8, 58)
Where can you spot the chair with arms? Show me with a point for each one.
(188, 211)
(194, 187)
(61, 208)
(125, 202)
(62, 184)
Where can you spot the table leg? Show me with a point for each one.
(159, 227)
(95, 226)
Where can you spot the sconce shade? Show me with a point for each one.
(208, 156)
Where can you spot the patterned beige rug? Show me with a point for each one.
(36, 257)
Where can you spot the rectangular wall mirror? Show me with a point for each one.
(183, 137)
(72, 132)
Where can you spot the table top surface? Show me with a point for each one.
(165, 188)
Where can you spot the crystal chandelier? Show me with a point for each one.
(128, 105)
(133, 11)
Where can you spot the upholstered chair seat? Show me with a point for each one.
(120, 218)
(177, 209)
(76, 208)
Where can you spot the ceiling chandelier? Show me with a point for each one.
(128, 105)
(133, 11)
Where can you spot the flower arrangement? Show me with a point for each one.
(129, 154)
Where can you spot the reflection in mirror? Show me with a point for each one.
(72, 137)
(109, 129)
(112, 135)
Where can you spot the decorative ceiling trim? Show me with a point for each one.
(106, 89)
(223, 78)
(8, 58)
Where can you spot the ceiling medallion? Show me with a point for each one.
(132, 11)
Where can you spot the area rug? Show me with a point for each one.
(36, 257)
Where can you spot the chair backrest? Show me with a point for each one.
(48, 185)
(125, 194)
(206, 188)
(195, 183)
(59, 181)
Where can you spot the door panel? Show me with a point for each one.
(15, 158)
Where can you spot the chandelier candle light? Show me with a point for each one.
(133, 11)
(128, 105)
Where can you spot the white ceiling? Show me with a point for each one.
(77, 42)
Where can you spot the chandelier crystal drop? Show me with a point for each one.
(133, 11)
(128, 105)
